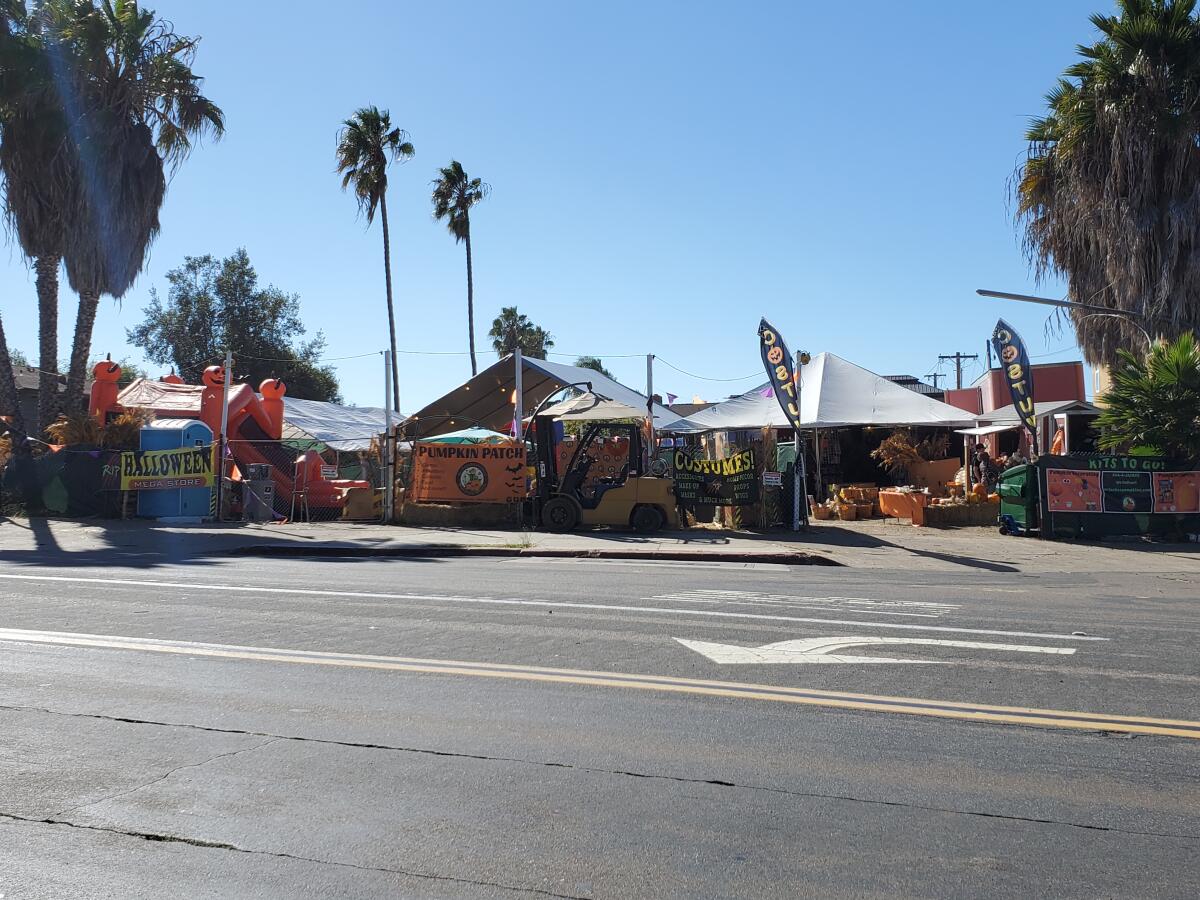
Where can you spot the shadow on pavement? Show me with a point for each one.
(144, 544)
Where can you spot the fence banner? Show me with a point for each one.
(1015, 361)
(778, 363)
(731, 481)
(156, 470)
(467, 473)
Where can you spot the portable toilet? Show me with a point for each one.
(172, 503)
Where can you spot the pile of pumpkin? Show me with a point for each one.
(849, 503)
(978, 494)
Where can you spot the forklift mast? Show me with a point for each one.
(547, 459)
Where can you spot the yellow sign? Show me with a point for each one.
(156, 470)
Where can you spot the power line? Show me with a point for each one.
(705, 377)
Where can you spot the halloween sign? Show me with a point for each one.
(778, 363)
(467, 473)
(156, 470)
(1015, 361)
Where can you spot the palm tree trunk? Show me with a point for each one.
(49, 404)
(387, 272)
(10, 401)
(470, 304)
(89, 302)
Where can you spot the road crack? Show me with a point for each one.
(153, 781)
(158, 837)
(425, 751)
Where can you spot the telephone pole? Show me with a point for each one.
(935, 376)
(958, 361)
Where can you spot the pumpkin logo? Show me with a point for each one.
(472, 479)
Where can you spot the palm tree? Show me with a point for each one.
(513, 331)
(366, 144)
(133, 107)
(454, 193)
(1154, 401)
(1107, 194)
(38, 178)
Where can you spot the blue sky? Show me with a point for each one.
(663, 175)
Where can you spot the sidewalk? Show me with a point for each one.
(874, 544)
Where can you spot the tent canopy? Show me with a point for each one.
(142, 393)
(487, 399)
(471, 436)
(589, 408)
(835, 394)
(1008, 414)
(344, 428)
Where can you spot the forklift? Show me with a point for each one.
(629, 498)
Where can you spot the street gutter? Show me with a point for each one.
(436, 552)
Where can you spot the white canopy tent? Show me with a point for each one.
(342, 428)
(834, 393)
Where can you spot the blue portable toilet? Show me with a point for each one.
(175, 503)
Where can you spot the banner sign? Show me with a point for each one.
(1014, 359)
(778, 363)
(1131, 490)
(160, 470)
(722, 482)
(467, 473)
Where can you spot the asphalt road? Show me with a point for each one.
(480, 728)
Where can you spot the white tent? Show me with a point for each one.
(834, 394)
(487, 399)
(339, 427)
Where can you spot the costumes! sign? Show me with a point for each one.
(158, 470)
(1015, 361)
(467, 473)
(778, 363)
(723, 482)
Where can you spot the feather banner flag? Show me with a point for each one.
(1014, 360)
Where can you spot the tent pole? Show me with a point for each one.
(819, 474)
(799, 478)
(518, 394)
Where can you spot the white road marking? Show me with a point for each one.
(543, 604)
(820, 650)
(649, 564)
(863, 605)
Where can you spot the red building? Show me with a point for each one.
(1061, 404)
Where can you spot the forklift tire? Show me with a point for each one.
(647, 519)
(560, 514)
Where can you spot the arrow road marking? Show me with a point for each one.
(821, 650)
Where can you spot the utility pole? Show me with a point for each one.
(958, 361)
(935, 376)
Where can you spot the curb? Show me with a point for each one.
(435, 552)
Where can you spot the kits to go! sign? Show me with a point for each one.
(158, 470)
(467, 473)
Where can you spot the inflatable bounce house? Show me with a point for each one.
(255, 426)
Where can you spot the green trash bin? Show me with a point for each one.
(1018, 491)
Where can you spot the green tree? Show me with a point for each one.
(1107, 196)
(215, 304)
(1154, 401)
(9, 402)
(594, 363)
(367, 143)
(512, 330)
(454, 193)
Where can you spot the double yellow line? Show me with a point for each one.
(972, 712)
